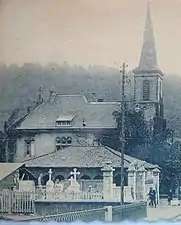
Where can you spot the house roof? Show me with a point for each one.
(7, 168)
(94, 115)
(83, 157)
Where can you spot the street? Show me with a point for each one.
(164, 212)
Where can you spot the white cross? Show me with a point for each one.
(75, 173)
(50, 174)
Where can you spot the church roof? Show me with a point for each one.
(148, 59)
(83, 157)
(76, 107)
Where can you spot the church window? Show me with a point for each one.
(58, 143)
(69, 140)
(160, 89)
(146, 90)
(63, 140)
(58, 140)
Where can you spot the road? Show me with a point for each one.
(164, 212)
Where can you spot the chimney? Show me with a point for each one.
(28, 109)
(83, 123)
(51, 96)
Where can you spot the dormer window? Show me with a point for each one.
(64, 121)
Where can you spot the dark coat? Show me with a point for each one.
(152, 194)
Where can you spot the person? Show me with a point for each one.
(170, 196)
(152, 197)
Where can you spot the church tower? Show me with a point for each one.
(148, 79)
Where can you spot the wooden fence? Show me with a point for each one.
(17, 202)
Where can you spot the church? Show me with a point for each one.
(65, 131)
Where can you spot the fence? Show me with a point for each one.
(17, 202)
(134, 211)
(24, 202)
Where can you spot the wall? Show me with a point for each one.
(45, 143)
(49, 208)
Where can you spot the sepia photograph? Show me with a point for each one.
(90, 116)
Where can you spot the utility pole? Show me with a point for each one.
(122, 133)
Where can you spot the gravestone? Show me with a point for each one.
(50, 186)
(74, 185)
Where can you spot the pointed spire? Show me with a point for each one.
(148, 59)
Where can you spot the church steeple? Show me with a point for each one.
(148, 59)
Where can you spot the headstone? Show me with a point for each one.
(74, 185)
(27, 185)
(59, 186)
(50, 186)
(39, 180)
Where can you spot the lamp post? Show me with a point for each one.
(122, 133)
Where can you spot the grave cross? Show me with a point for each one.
(50, 174)
(75, 173)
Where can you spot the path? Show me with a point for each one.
(164, 212)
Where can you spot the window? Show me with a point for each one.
(63, 123)
(146, 90)
(63, 142)
(29, 147)
(160, 89)
(69, 141)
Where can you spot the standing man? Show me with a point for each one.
(152, 196)
(170, 196)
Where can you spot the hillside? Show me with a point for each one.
(19, 87)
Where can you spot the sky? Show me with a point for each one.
(88, 32)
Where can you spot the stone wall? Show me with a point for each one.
(53, 207)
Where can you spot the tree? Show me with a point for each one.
(136, 129)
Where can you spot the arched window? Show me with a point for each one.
(85, 177)
(146, 90)
(59, 177)
(58, 143)
(98, 177)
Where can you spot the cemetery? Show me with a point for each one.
(68, 195)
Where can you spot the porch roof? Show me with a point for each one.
(8, 168)
(84, 157)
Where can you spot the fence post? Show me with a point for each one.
(10, 202)
(108, 213)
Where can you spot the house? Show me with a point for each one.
(66, 130)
